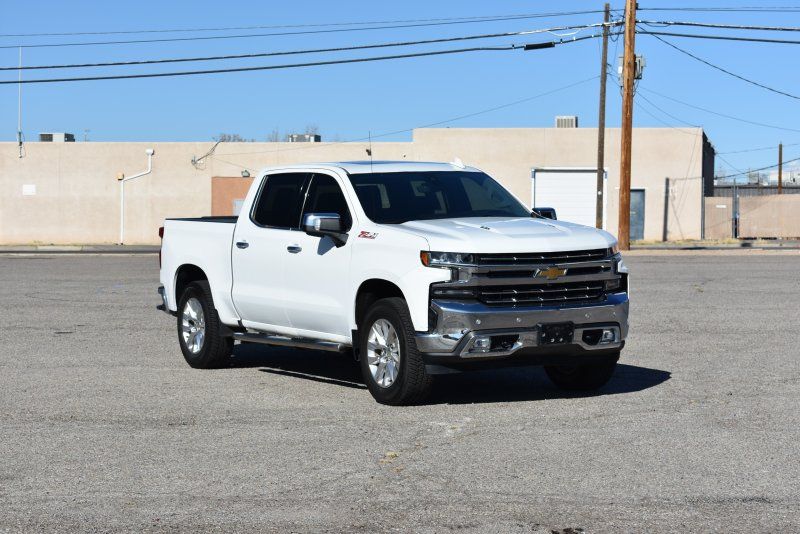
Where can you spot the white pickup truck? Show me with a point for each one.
(417, 268)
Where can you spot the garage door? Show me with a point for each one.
(572, 192)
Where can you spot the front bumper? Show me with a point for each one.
(458, 323)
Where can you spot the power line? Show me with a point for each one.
(734, 167)
(740, 9)
(722, 37)
(662, 23)
(758, 149)
(296, 65)
(272, 34)
(725, 115)
(465, 20)
(639, 95)
(264, 67)
(306, 51)
(638, 103)
(305, 146)
(762, 168)
(729, 73)
(720, 154)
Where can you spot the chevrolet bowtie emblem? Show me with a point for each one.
(551, 273)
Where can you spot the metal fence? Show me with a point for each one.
(753, 216)
(752, 190)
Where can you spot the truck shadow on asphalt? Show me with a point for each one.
(496, 385)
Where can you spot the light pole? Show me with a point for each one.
(122, 179)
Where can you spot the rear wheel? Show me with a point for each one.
(583, 377)
(199, 328)
(392, 367)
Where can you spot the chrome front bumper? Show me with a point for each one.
(458, 323)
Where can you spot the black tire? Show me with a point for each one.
(413, 383)
(583, 377)
(215, 349)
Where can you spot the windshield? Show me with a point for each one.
(398, 197)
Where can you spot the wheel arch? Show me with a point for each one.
(369, 292)
(185, 275)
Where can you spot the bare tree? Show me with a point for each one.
(274, 136)
(231, 138)
(312, 129)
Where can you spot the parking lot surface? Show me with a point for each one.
(105, 428)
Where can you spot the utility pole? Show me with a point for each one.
(628, 74)
(780, 168)
(601, 122)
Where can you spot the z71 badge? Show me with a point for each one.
(368, 235)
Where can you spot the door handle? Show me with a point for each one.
(242, 244)
(294, 249)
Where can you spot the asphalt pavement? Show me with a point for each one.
(105, 428)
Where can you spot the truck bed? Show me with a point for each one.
(230, 219)
(207, 246)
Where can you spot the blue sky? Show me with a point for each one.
(347, 101)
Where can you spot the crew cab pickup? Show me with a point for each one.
(416, 268)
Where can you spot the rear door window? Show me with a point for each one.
(279, 203)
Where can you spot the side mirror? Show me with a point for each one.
(325, 224)
(545, 213)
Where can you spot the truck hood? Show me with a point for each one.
(504, 234)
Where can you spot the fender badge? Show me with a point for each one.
(367, 235)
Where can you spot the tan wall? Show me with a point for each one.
(224, 190)
(510, 154)
(77, 195)
(719, 211)
(769, 216)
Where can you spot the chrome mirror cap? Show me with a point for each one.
(325, 224)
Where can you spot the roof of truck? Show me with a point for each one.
(362, 167)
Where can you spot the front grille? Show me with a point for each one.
(555, 294)
(531, 273)
(542, 257)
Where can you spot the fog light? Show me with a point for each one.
(609, 336)
(611, 285)
(481, 344)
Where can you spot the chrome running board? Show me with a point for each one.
(281, 341)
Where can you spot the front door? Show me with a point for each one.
(318, 293)
(637, 214)
(259, 253)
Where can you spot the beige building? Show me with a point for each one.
(68, 193)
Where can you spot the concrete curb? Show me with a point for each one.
(787, 246)
(79, 249)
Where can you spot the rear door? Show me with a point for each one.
(318, 296)
(259, 252)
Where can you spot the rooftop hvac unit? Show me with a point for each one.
(567, 121)
(304, 138)
(56, 138)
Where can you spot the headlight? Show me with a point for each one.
(614, 249)
(445, 259)
(621, 267)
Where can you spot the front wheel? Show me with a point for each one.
(199, 335)
(392, 366)
(585, 376)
